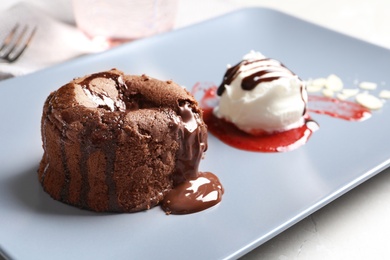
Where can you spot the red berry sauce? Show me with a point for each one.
(279, 141)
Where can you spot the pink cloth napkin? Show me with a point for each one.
(54, 41)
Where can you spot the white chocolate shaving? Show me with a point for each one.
(333, 86)
(385, 94)
(367, 85)
(369, 101)
(334, 83)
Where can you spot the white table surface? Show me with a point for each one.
(355, 226)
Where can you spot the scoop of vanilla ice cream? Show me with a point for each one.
(261, 95)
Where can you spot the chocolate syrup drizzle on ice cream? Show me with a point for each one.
(260, 95)
(258, 69)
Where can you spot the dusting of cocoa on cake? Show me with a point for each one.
(120, 143)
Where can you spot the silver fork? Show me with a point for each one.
(15, 43)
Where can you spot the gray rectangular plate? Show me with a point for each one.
(264, 193)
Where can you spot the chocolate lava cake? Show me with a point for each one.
(119, 143)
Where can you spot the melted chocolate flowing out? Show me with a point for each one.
(194, 195)
(193, 191)
(193, 143)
